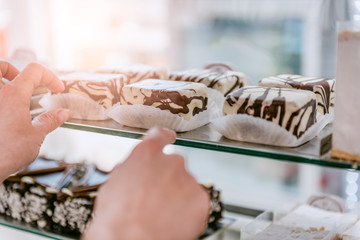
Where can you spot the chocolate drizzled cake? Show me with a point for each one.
(185, 99)
(222, 80)
(323, 88)
(102, 88)
(59, 197)
(137, 72)
(294, 110)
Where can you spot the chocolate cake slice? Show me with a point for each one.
(185, 99)
(291, 109)
(59, 197)
(73, 207)
(324, 88)
(222, 80)
(28, 195)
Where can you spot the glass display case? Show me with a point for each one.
(258, 37)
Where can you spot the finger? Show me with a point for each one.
(8, 71)
(49, 121)
(162, 135)
(35, 74)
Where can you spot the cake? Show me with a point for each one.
(36, 195)
(185, 99)
(59, 198)
(137, 72)
(346, 131)
(291, 109)
(104, 89)
(324, 88)
(214, 77)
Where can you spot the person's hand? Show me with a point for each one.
(21, 137)
(150, 196)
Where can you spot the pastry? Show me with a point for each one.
(104, 89)
(214, 77)
(137, 72)
(185, 99)
(323, 88)
(59, 197)
(293, 110)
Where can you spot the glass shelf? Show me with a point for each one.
(316, 151)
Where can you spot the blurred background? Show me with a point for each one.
(257, 37)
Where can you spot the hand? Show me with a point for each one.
(150, 196)
(22, 137)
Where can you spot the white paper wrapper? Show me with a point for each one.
(146, 117)
(81, 107)
(218, 99)
(247, 128)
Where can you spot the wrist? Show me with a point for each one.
(116, 228)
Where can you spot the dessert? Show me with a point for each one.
(32, 195)
(323, 88)
(59, 197)
(293, 110)
(185, 99)
(73, 206)
(104, 89)
(216, 205)
(222, 80)
(28, 195)
(137, 72)
(346, 134)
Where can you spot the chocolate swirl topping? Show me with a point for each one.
(164, 99)
(322, 87)
(277, 108)
(106, 93)
(224, 81)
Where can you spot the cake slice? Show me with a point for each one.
(74, 206)
(324, 88)
(28, 195)
(293, 110)
(185, 99)
(104, 89)
(137, 72)
(224, 81)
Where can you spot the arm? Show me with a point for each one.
(150, 196)
(21, 137)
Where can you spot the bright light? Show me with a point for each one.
(351, 188)
(352, 177)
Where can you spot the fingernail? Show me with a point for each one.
(64, 114)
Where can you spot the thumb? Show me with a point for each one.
(49, 121)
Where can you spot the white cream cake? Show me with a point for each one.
(294, 110)
(324, 88)
(104, 89)
(185, 99)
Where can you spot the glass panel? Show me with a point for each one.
(315, 151)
